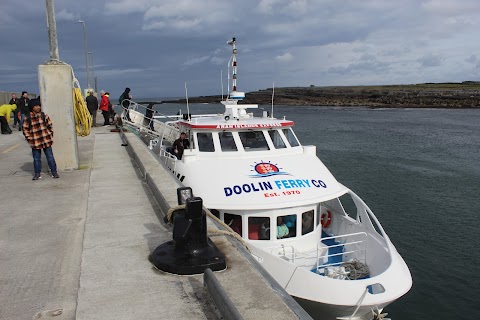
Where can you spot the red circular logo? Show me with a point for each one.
(265, 168)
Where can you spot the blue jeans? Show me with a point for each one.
(20, 122)
(37, 160)
(15, 117)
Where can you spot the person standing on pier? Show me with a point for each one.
(92, 106)
(104, 107)
(38, 131)
(23, 108)
(16, 117)
(111, 112)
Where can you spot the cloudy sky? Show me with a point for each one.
(155, 46)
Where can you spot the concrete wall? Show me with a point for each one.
(55, 82)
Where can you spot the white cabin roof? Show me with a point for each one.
(219, 123)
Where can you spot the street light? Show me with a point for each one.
(93, 72)
(52, 31)
(85, 46)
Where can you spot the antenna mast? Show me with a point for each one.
(273, 94)
(235, 95)
(186, 98)
(234, 65)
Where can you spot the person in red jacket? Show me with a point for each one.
(104, 107)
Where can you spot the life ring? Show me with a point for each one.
(326, 219)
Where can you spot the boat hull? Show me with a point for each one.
(321, 311)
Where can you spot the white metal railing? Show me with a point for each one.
(170, 132)
(354, 247)
(144, 118)
(135, 115)
(297, 257)
(169, 159)
(286, 252)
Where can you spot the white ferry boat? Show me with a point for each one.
(314, 235)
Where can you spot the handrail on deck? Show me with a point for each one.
(359, 247)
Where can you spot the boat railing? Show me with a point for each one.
(333, 251)
(145, 119)
(284, 251)
(170, 132)
(289, 253)
(169, 159)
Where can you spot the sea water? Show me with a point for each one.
(419, 172)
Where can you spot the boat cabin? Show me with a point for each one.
(237, 132)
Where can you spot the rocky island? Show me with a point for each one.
(426, 95)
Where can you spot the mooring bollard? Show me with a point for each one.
(191, 251)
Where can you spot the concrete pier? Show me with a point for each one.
(77, 247)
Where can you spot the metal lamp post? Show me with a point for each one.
(86, 52)
(93, 72)
(52, 30)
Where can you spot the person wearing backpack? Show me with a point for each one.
(38, 131)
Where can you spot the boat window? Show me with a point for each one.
(276, 139)
(259, 228)
(205, 142)
(291, 137)
(226, 141)
(286, 226)
(348, 205)
(234, 221)
(307, 222)
(253, 141)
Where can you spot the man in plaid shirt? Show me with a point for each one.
(37, 129)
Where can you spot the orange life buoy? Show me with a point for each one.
(326, 219)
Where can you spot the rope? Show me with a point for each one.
(83, 119)
(356, 269)
(172, 210)
(211, 231)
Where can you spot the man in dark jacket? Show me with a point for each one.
(22, 107)
(180, 145)
(14, 101)
(92, 106)
(124, 101)
(148, 119)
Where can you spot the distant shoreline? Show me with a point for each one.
(465, 95)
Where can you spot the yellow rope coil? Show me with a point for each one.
(83, 119)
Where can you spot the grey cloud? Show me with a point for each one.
(430, 60)
(155, 46)
(471, 59)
